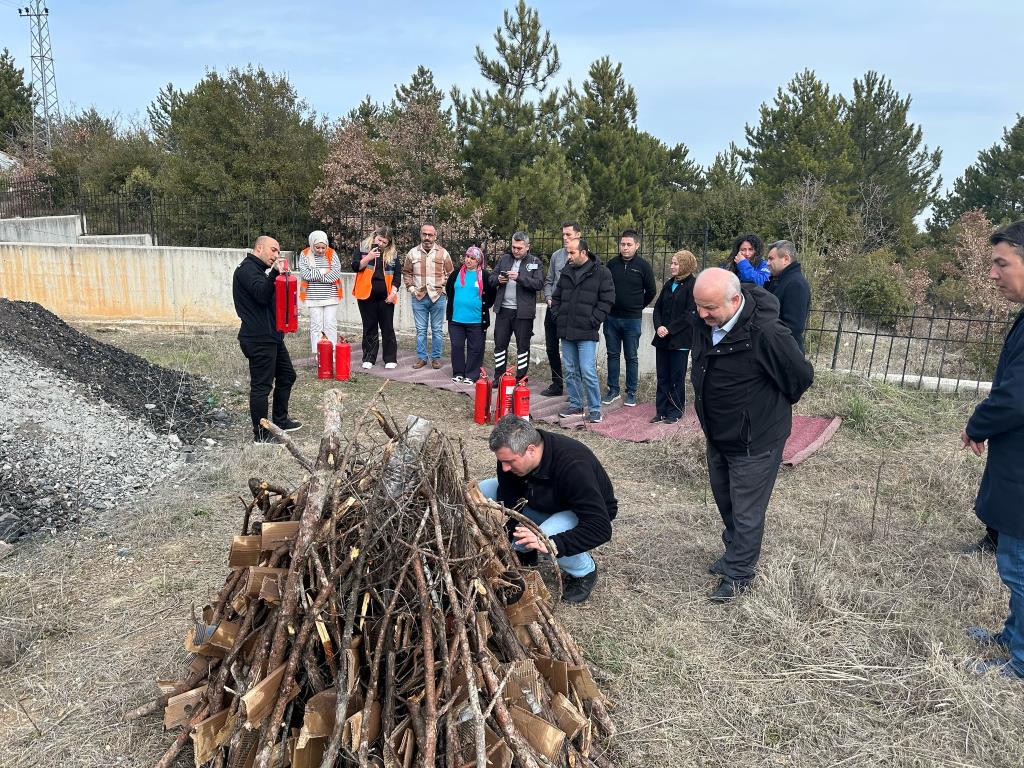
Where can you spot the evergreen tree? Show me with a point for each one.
(159, 113)
(542, 195)
(994, 183)
(895, 176)
(421, 89)
(16, 100)
(503, 129)
(730, 204)
(801, 134)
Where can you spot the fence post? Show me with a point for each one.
(839, 336)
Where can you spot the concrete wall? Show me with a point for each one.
(128, 240)
(177, 285)
(41, 229)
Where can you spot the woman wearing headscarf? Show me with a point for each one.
(747, 260)
(469, 300)
(320, 287)
(378, 277)
(674, 315)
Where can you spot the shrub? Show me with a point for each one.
(876, 286)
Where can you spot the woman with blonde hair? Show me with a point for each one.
(378, 277)
(320, 287)
(674, 315)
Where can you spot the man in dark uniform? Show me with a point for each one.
(270, 367)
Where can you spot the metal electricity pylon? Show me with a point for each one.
(44, 83)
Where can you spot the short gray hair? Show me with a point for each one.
(514, 433)
(732, 286)
(785, 247)
(521, 237)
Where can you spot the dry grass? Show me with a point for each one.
(848, 653)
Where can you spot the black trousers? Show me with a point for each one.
(270, 367)
(742, 486)
(671, 366)
(551, 346)
(467, 343)
(378, 314)
(505, 325)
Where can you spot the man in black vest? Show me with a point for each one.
(998, 422)
(747, 374)
(790, 287)
(270, 367)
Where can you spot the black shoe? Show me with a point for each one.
(657, 419)
(552, 390)
(263, 437)
(671, 419)
(570, 411)
(289, 425)
(578, 588)
(717, 568)
(728, 590)
(528, 559)
(983, 546)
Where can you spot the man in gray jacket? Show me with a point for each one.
(516, 280)
(570, 231)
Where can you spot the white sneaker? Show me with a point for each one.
(367, 364)
(390, 365)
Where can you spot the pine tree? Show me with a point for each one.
(503, 129)
(994, 183)
(895, 176)
(16, 100)
(801, 134)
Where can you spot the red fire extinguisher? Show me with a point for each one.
(482, 399)
(286, 302)
(521, 399)
(342, 359)
(506, 384)
(324, 358)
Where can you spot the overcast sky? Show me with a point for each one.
(701, 69)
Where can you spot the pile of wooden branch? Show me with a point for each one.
(376, 616)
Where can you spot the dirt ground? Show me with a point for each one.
(849, 652)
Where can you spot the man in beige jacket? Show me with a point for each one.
(425, 270)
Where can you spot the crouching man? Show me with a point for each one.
(568, 495)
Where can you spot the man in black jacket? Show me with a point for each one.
(568, 494)
(747, 374)
(252, 289)
(580, 302)
(516, 279)
(634, 289)
(790, 287)
(998, 421)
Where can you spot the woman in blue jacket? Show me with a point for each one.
(747, 260)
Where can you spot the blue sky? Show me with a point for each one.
(700, 69)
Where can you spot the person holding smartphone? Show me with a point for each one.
(378, 279)
(516, 280)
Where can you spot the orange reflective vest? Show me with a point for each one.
(364, 281)
(304, 284)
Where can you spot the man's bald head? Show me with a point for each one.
(717, 295)
(267, 249)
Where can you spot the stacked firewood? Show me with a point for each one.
(376, 616)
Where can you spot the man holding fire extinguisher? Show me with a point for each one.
(270, 367)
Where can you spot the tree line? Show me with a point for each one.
(844, 175)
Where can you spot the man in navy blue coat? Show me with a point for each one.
(998, 421)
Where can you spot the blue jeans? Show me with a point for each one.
(579, 361)
(558, 522)
(1010, 563)
(623, 334)
(424, 312)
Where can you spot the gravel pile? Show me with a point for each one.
(85, 426)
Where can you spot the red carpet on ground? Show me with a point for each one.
(620, 423)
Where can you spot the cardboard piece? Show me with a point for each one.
(210, 734)
(244, 552)
(258, 574)
(555, 672)
(224, 636)
(568, 717)
(310, 754)
(523, 612)
(498, 753)
(270, 592)
(273, 535)
(257, 703)
(583, 683)
(318, 716)
(535, 586)
(524, 686)
(353, 730)
(541, 735)
(181, 707)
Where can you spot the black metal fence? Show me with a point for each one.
(932, 348)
